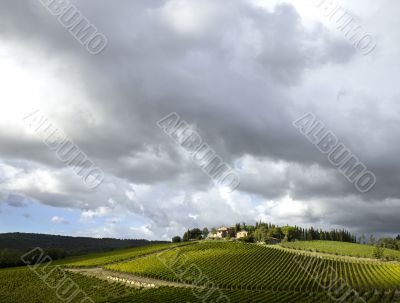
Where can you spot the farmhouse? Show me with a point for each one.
(241, 234)
(220, 233)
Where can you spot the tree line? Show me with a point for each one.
(265, 232)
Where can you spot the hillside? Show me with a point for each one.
(97, 259)
(341, 248)
(22, 285)
(71, 245)
(220, 271)
(255, 267)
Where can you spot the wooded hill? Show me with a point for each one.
(13, 245)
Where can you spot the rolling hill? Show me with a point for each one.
(206, 271)
(259, 268)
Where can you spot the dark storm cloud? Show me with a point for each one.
(230, 73)
(155, 71)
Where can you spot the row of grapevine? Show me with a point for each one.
(98, 259)
(22, 285)
(258, 268)
(341, 248)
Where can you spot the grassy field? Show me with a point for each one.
(97, 259)
(341, 248)
(253, 267)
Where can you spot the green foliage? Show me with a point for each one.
(265, 231)
(12, 258)
(231, 233)
(176, 239)
(262, 234)
(372, 240)
(289, 232)
(205, 232)
(389, 243)
(186, 236)
(71, 245)
(238, 227)
(248, 239)
(378, 252)
(192, 234)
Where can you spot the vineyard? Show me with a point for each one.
(341, 248)
(22, 285)
(114, 256)
(211, 271)
(258, 268)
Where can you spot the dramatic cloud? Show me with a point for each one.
(239, 72)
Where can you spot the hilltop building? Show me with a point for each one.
(241, 234)
(221, 233)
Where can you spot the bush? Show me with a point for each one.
(378, 252)
(248, 239)
(176, 239)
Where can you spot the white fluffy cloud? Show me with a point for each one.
(58, 220)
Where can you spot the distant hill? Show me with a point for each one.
(12, 245)
(71, 245)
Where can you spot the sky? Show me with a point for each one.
(239, 73)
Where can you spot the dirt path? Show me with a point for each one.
(129, 279)
(125, 278)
